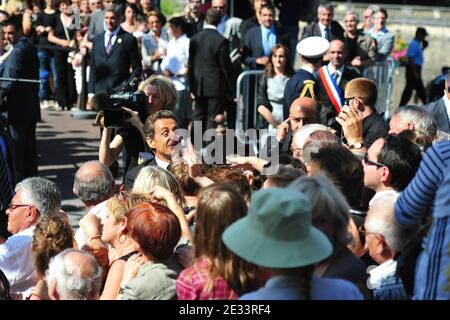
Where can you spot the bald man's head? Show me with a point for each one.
(93, 183)
(303, 111)
(336, 53)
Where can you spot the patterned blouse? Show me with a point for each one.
(192, 282)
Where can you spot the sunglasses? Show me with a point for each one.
(371, 162)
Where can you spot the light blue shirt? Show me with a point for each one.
(109, 34)
(221, 26)
(283, 287)
(415, 52)
(269, 39)
(385, 41)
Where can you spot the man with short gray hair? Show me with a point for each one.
(369, 14)
(384, 238)
(34, 197)
(93, 184)
(325, 27)
(74, 275)
(413, 118)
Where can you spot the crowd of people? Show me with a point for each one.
(338, 204)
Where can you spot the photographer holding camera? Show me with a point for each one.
(161, 95)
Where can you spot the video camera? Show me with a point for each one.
(111, 105)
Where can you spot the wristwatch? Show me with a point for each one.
(356, 145)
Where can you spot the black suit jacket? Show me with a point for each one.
(22, 98)
(439, 113)
(313, 30)
(210, 69)
(132, 174)
(109, 71)
(252, 46)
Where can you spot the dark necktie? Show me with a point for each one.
(327, 33)
(109, 45)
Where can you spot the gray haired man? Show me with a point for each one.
(34, 197)
(94, 184)
(384, 238)
(74, 275)
(413, 118)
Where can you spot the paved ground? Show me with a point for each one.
(64, 144)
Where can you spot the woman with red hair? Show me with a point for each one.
(152, 273)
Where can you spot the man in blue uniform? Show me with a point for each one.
(304, 81)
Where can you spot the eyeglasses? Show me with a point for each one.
(363, 232)
(218, 7)
(371, 162)
(12, 207)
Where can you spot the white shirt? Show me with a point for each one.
(176, 60)
(381, 193)
(100, 212)
(108, 34)
(209, 26)
(161, 163)
(16, 262)
(447, 103)
(310, 70)
(332, 69)
(322, 30)
(384, 270)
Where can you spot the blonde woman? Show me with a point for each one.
(165, 189)
(115, 233)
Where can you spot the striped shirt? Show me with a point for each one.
(429, 191)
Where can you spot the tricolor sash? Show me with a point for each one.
(332, 88)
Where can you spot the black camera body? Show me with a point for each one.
(115, 117)
(111, 105)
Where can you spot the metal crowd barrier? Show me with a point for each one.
(382, 73)
(243, 105)
(242, 97)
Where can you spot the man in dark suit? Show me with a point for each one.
(440, 109)
(326, 27)
(339, 75)
(19, 101)
(210, 72)
(260, 40)
(159, 129)
(113, 52)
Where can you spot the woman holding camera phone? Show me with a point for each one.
(162, 95)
